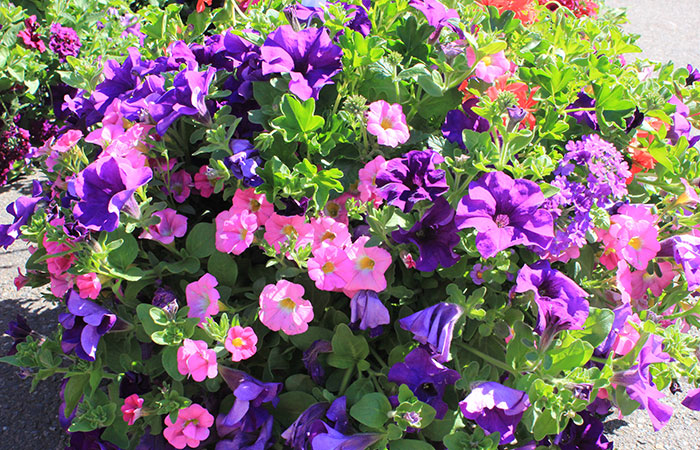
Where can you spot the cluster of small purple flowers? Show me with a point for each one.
(64, 41)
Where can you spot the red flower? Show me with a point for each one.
(523, 9)
(522, 93)
(200, 5)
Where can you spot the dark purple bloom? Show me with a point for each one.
(307, 55)
(249, 393)
(622, 312)
(15, 144)
(457, 121)
(426, 378)
(434, 327)
(120, 78)
(90, 440)
(310, 359)
(694, 75)
(22, 210)
(65, 418)
(140, 100)
(335, 440)
(587, 436)
(84, 324)
(587, 118)
(153, 441)
(64, 41)
(292, 207)
(406, 181)
(692, 400)
(253, 432)
(104, 188)
(438, 16)
(368, 312)
(306, 426)
(495, 408)
(685, 249)
(18, 330)
(244, 162)
(134, 383)
(165, 299)
(435, 235)
(505, 212)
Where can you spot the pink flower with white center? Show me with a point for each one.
(202, 183)
(190, 428)
(180, 183)
(171, 225)
(195, 359)
(489, 67)
(241, 342)
(368, 180)
(235, 232)
(637, 283)
(283, 308)
(627, 337)
(89, 285)
(131, 409)
(388, 123)
(280, 229)
(330, 231)
(202, 297)
(369, 265)
(634, 229)
(330, 267)
(255, 203)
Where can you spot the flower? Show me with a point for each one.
(255, 203)
(490, 67)
(84, 324)
(522, 92)
(435, 235)
(29, 36)
(685, 249)
(457, 121)
(89, 285)
(692, 400)
(335, 440)
(196, 360)
(477, 273)
(18, 330)
(202, 297)
(171, 225)
(368, 312)
(368, 179)
(693, 75)
(434, 327)
(21, 210)
(249, 393)
(201, 5)
(190, 428)
(308, 55)
(438, 16)
(241, 342)
(524, 9)
(638, 283)
(310, 359)
(505, 212)
(586, 436)
(283, 308)
(279, 230)
(244, 162)
(235, 231)
(370, 264)
(587, 115)
(64, 41)
(329, 267)
(131, 409)
(635, 231)
(329, 231)
(388, 123)
(495, 408)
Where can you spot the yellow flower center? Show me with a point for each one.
(635, 243)
(328, 235)
(487, 61)
(387, 123)
(333, 209)
(366, 263)
(244, 233)
(288, 303)
(328, 267)
(237, 342)
(255, 205)
(289, 230)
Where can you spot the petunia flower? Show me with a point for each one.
(171, 225)
(490, 67)
(495, 408)
(368, 179)
(131, 409)
(249, 393)
(457, 121)
(84, 324)
(255, 203)
(388, 123)
(589, 435)
(253, 432)
(369, 266)
(244, 162)
(685, 249)
(190, 428)
(330, 231)
(281, 229)
(241, 342)
(195, 359)
(30, 37)
(434, 327)
(692, 400)
(310, 359)
(368, 312)
(634, 228)
(202, 297)
(438, 16)
(18, 330)
(283, 308)
(235, 231)
(89, 285)
(329, 267)
(637, 284)
(335, 440)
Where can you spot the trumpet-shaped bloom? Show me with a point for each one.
(171, 225)
(438, 16)
(457, 121)
(89, 285)
(686, 251)
(370, 264)
(368, 179)
(241, 342)
(235, 231)
(283, 308)
(84, 324)
(131, 409)
(202, 297)
(249, 392)
(281, 229)
(490, 67)
(434, 327)
(692, 400)
(330, 267)
(255, 203)
(388, 123)
(195, 359)
(368, 312)
(329, 231)
(495, 408)
(190, 428)
(635, 231)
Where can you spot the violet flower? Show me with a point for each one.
(249, 392)
(244, 162)
(335, 440)
(90, 440)
(692, 400)
(622, 312)
(310, 359)
(438, 16)
(134, 383)
(587, 118)
(64, 41)
(587, 436)
(495, 408)
(434, 327)
(405, 181)
(505, 212)
(84, 324)
(685, 249)
(694, 75)
(166, 300)
(435, 235)
(254, 432)
(18, 330)
(426, 378)
(21, 210)
(308, 55)
(368, 312)
(119, 78)
(306, 426)
(457, 121)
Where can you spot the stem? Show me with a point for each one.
(377, 357)
(346, 379)
(489, 359)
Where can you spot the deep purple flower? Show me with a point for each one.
(357, 18)
(495, 408)
(694, 75)
(505, 212)
(65, 418)
(368, 312)
(142, 98)
(104, 188)
(134, 383)
(435, 235)
(64, 41)
(310, 359)
(406, 181)
(622, 312)
(685, 249)
(307, 55)
(438, 16)
(587, 436)
(249, 392)
(434, 327)
(15, 144)
(90, 440)
(253, 432)
(426, 378)
(22, 210)
(587, 118)
(457, 121)
(153, 441)
(306, 426)
(165, 299)
(84, 324)
(335, 440)
(244, 162)
(119, 78)
(292, 207)
(692, 400)
(18, 330)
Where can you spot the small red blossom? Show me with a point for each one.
(524, 9)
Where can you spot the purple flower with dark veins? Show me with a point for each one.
(694, 75)
(368, 312)
(84, 324)
(434, 327)
(495, 408)
(585, 117)
(244, 162)
(457, 121)
(64, 41)
(438, 16)
(308, 55)
(505, 212)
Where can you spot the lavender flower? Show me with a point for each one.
(84, 324)
(368, 312)
(438, 16)
(253, 432)
(434, 327)
(22, 210)
(249, 393)
(495, 408)
(587, 436)
(64, 41)
(692, 400)
(685, 249)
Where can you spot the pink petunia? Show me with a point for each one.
(368, 180)
(609, 258)
(635, 232)
(255, 203)
(131, 409)
(335, 208)
(330, 267)
(689, 196)
(89, 285)
(202, 183)
(280, 229)
(190, 428)
(627, 337)
(369, 265)
(67, 141)
(180, 184)
(202, 297)
(388, 123)
(235, 231)
(490, 67)
(637, 284)
(330, 231)
(283, 308)
(241, 342)
(195, 359)
(171, 225)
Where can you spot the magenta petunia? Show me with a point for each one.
(283, 308)
(190, 428)
(241, 342)
(171, 225)
(195, 359)
(202, 297)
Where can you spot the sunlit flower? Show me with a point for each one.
(131, 409)
(283, 308)
(171, 225)
(388, 123)
(190, 428)
(490, 67)
(202, 297)
(194, 358)
(241, 342)
(235, 232)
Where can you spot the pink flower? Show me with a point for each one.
(627, 337)
(280, 229)
(241, 342)
(202, 297)
(330, 267)
(171, 225)
(202, 183)
(369, 265)
(196, 360)
(637, 283)
(634, 229)
(235, 232)
(180, 183)
(190, 428)
(131, 409)
(89, 285)
(282, 308)
(330, 231)
(255, 203)
(388, 123)
(57, 265)
(609, 258)
(368, 180)
(489, 67)
(689, 197)
(336, 209)
(67, 141)
(20, 280)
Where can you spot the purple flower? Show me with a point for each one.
(306, 426)
(22, 210)
(686, 251)
(134, 383)
(90, 440)
(368, 312)
(505, 212)
(165, 299)
(694, 75)
(438, 16)
(249, 392)
(253, 432)
(310, 359)
(18, 330)
(587, 118)
(140, 100)
(426, 378)
(64, 41)
(104, 188)
(335, 440)
(495, 408)
(622, 312)
(244, 162)
(434, 327)
(406, 181)
(84, 324)
(692, 400)
(587, 436)
(435, 235)
(307, 55)
(477, 273)
(120, 78)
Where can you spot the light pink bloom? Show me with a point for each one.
(195, 359)
(241, 342)
(330, 231)
(634, 229)
(202, 183)
(388, 123)
(202, 297)
(627, 337)
(368, 180)
(67, 141)
(89, 285)
(123, 147)
(369, 265)
(235, 232)
(609, 258)
(282, 308)
(190, 428)
(637, 283)
(689, 197)
(280, 229)
(171, 225)
(131, 409)
(61, 283)
(330, 267)
(180, 184)
(255, 203)
(489, 67)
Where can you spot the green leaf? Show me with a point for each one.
(298, 118)
(571, 354)
(596, 328)
(75, 388)
(372, 410)
(410, 444)
(348, 349)
(201, 240)
(224, 268)
(291, 405)
(143, 311)
(117, 433)
(169, 360)
(125, 253)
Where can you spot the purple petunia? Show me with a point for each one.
(84, 324)
(22, 210)
(587, 436)
(457, 121)
(692, 400)
(18, 330)
(685, 249)
(64, 41)
(693, 75)
(310, 359)
(249, 393)
(253, 432)
(505, 212)
(368, 312)
(584, 117)
(438, 16)
(244, 162)
(434, 327)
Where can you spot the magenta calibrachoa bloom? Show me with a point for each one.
(370, 264)
(496, 408)
(330, 267)
(171, 225)
(235, 231)
(190, 428)
(203, 298)
(131, 409)
(283, 308)
(196, 360)
(388, 123)
(241, 342)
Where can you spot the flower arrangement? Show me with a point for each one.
(350, 225)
